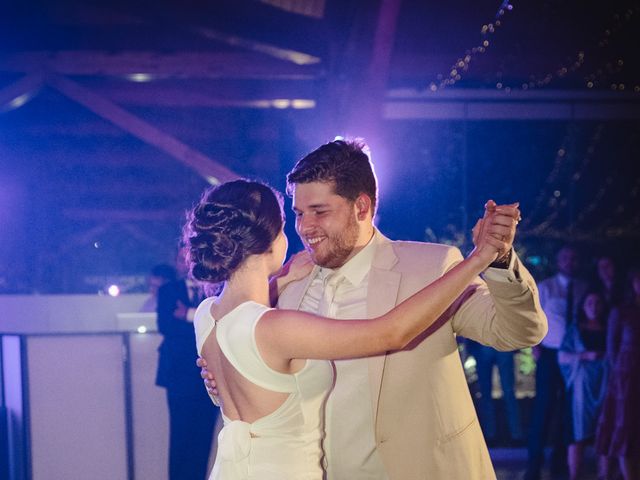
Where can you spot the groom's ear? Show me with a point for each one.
(363, 206)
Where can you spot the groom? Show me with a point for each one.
(407, 414)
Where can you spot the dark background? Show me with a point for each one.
(545, 113)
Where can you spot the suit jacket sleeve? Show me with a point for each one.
(503, 315)
(168, 297)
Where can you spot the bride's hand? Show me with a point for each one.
(487, 246)
(296, 268)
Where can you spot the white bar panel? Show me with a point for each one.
(149, 404)
(76, 407)
(24, 314)
(12, 378)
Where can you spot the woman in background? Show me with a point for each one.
(582, 363)
(619, 425)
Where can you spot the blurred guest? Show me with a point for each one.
(486, 358)
(160, 275)
(618, 432)
(583, 367)
(557, 296)
(192, 416)
(608, 280)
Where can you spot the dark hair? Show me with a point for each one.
(582, 316)
(341, 162)
(164, 271)
(615, 295)
(231, 222)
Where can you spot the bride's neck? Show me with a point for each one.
(249, 283)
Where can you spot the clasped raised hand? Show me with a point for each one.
(493, 234)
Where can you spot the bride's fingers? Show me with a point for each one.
(476, 231)
(498, 243)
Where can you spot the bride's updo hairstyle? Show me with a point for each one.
(232, 221)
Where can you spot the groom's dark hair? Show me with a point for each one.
(343, 163)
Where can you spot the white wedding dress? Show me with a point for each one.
(286, 444)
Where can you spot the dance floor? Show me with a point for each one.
(510, 464)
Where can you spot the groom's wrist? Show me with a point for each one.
(502, 262)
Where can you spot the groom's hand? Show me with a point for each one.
(207, 376)
(502, 226)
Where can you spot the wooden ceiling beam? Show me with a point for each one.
(133, 189)
(209, 169)
(117, 215)
(160, 65)
(187, 94)
(14, 95)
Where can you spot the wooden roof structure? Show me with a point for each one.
(115, 115)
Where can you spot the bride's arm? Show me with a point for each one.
(287, 334)
(298, 267)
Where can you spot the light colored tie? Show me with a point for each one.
(331, 283)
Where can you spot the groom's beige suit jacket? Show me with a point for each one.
(425, 422)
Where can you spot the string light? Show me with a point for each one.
(551, 178)
(579, 175)
(597, 78)
(581, 229)
(556, 202)
(621, 211)
(570, 66)
(461, 65)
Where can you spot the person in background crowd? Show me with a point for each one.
(618, 433)
(608, 280)
(582, 363)
(192, 417)
(557, 296)
(160, 275)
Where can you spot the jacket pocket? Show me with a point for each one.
(451, 436)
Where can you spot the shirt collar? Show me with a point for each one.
(563, 279)
(358, 266)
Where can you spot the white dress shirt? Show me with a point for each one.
(553, 299)
(350, 446)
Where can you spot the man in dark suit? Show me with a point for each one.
(559, 297)
(192, 415)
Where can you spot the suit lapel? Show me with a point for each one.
(291, 298)
(382, 296)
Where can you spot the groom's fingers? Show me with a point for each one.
(511, 210)
(489, 207)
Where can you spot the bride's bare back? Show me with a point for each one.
(239, 398)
